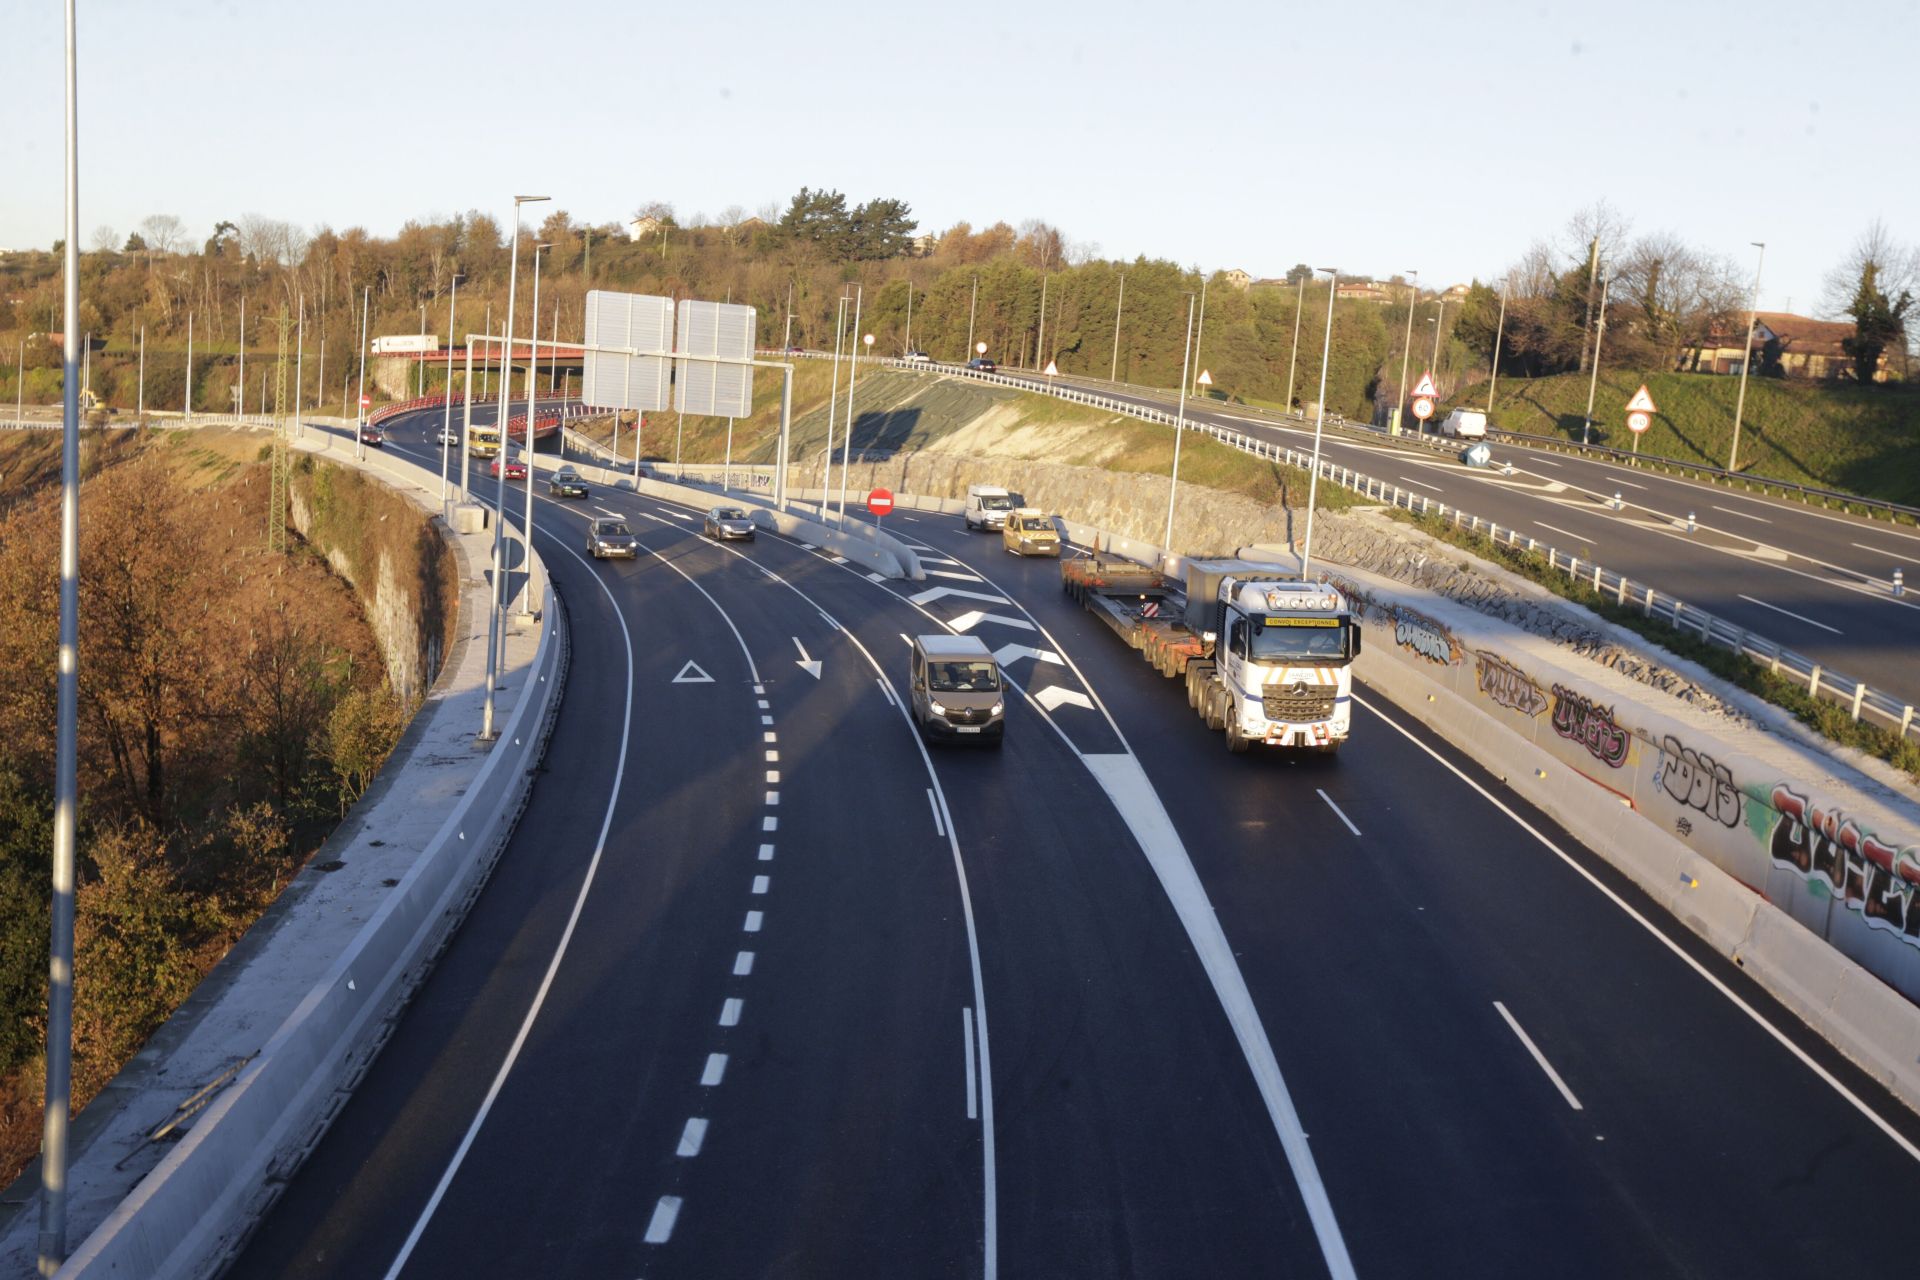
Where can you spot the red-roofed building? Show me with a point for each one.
(1802, 347)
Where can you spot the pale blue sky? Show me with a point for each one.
(1443, 137)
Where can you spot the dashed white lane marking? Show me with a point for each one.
(615, 514)
(768, 737)
(762, 883)
(773, 775)
(692, 1136)
(763, 704)
(743, 964)
(759, 688)
(660, 1226)
(837, 559)
(773, 797)
(973, 1093)
(1539, 1057)
(1742, 514)
(1565, 533)
(1423, 484)
(716, 1069)
(769, 823)
(1882, 551)
(679, 515)
(1336, 810)
(766, 719)
(1543, 462)
(876, 577)
(754, 920)
(766, 853)
(808, 546)
(938, 826)
(1791, 614)
(730, 1011)
(1630, 484)
(773, 755)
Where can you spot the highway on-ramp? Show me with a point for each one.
(951, 1014)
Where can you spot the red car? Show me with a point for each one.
(516, 469)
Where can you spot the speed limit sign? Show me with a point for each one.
(1422, 408)
(1637, 422)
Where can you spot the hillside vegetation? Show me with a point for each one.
(1859, 439)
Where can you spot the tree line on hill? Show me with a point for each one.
(1026, 292)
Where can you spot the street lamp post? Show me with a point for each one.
(1179, 429)
(466, 424)
(420, 389)
(833, 401)
(972, 307)
(1319, 418)
(1201, 330)
(20, 386)
(1499, 331)
(360, 399)
(299, 363)
(1593, 379)
(1406, 351)
(497, 599)
(446, 409)
(186, 406)
(1439, 315)
(853, 376)
(240, 405)
(909, 313)
(1113, 374)
(1293, 356)
(140, 412)
(530, 601)
(1740, 401)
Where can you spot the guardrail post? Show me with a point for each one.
(1813, 680)
(1647, 607)
(1678, 607)
(1773, 664)
(1596, 579)
(1621, 598)
(1573, 567)
(1906, 719)
(1859, 696)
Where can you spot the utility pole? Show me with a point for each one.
(240, 405)
(1499, 332)
(1593, 274)
(1040, 341)
(1400, 396)
(909, 313)
(186, 408)
(1201, 331)
(359, 407)
(1113, 374)
(1179, 430)
(1319, 420)
(972, 307)
(1740, 402)
(1593, 381)
(1293, 356)
(140, 413)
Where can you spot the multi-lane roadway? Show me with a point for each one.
(764, 987)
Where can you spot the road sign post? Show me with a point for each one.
(1424, 394)
(879, 502)
(1640, 411)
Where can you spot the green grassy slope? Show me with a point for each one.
(1863, 440)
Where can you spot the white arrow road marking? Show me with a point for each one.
(940, 593)
(1053, 697)
(806, 663)
(968, 621)
(692, 674)
(1008, 654)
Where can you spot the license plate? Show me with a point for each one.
(967, 728)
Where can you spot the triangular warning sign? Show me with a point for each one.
(1425, 387)
(692, 674)
(1642, 402)
(1052, 370)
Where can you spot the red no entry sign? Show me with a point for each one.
(880, 501)
(366, 402)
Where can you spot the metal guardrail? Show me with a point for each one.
(1820, 682)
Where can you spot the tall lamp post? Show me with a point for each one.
(59, 1087)
(853, 377)
(1499, 331)
(1593, 378)
(1113, 374)
(446, 409)
(529, 600)
(498, 598)
(833, 401)
(1200, 331)
(360, 400)
(1740, 401)
(1400, 396)
(1179, 429)
(1319, 417)
(972, 307)
(1293, 356)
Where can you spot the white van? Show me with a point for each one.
(988, 506)
(1468, 424)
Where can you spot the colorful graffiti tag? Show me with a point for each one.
(1424, 636)
(1582, 720)
(1508, 685)
(1697, 779)
(1865, 872)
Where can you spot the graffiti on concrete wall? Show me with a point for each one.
(1582, 720)
(1430, 639)
(1866, 873)
(1508, 685)
(1697, 779)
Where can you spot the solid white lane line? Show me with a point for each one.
(1543, 462)
(1336, 810)
(766, 853)
(730, 1011)
(715, 1070)
(1540, 1058)
(692, 1136)
(938, 826)
(966, 1031)
(1742, 514)
(1565, 533)
(1882, 551)
(743, 964)
(1423, 484)
(660, 1227)
(553, 964)
(1791, 614)
(760, 883)
(1732, 998)
(754, 921)
(886, 689)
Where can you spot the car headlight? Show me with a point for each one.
(936, 708)
(998, 707)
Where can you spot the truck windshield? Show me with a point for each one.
(963, 677)
(996, 502)
(1283, 643)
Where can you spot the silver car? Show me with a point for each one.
(723, 523)
(611, 538)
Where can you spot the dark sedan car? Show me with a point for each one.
(566, 483)
(611, 538)
(980, 364)
(723, 523)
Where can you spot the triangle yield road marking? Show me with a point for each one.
(968, 621)
(940, 593)
(692, 674)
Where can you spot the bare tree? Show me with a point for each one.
(105, 240)
(164, 233)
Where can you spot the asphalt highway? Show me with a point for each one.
(954, 1012)
(1817, 581)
